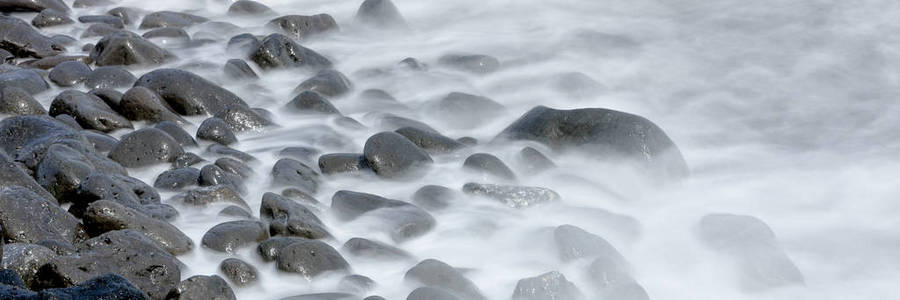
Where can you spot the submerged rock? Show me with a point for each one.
(380, 14)
(202, 287)
(229, 236)
(310, 258)
(126, 48)
(145, 147)
(239, 272)
(22, 40)
(512, 196)
(105, 216)
(391, 155)
(435, 273)
(279, 51)
(301, 27)
(547, 286)
(488, 164)
(189, 94)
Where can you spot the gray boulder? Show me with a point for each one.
(189, 94)
(435, 273)
(310, 258)
(239, 272)
(391, 155)
(381, 14)
(126, 48)
(89, 110)
(230, 236)
(104, 216)
(22, 40)
(302, 27)
(278, 51)
(16, 101)
(145, 147)
(511, 195)
(202, 287)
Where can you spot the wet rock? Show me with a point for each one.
(6, 57)
(610, 279)
(391, 155)
(146, 147)
(311, 102)
(27, 80)
(10, 278)
(289, 218)
(290, 172)
(69, 73)
(472, 63)
(432, 142)
(334, 163)
(356, 284)
(26, 139)
(576, 85)
(430, 293)
(234, 167)
(222, 150)
(89, 110)
(468, 141)
(186, 160)
(324, 296)
(126, 48)
(32, 5)
(301, 196)
(467, 110)
(127, 14)
(101, 29)
(535, 161)
(91, 3)
(105, 216)
(753, 246)
(230, 236)
(216, 130)
(51, 17)
(218, 193)
(168, 35)
(239, 272)
(239, 69)
(433, 197)
(110, 77)
(64, 40)
(27, 217)
(603, 133)
(380, 14)
(270, 248)
(401, 220)
(68, 121)
(109, 96)
(202, 287)
(170, 19)
(176, 132)
(575, 243)
(242, 118)
(304, 154)
(177, 179)
(124, 252)
(547, 286)
(249, 8)
(113, 21)
(374, 250)
(310, 258)
(142, 104)
(48, 63)
(62, 170)
(348, 205)
(109, 286)
(235, 211)
(301, 27)
(394, 122)
(435, 273)
(102, 142)
(488, 164)
(278, 51)
(16, 101)
(512, 196)
(326, 82)
(25, 259)
(211, 175)
(22, 40)
(244, 44)
(121, 189)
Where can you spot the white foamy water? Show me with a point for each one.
(784, 110)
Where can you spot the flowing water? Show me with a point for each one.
(783, 110)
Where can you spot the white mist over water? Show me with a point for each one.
(784, 110)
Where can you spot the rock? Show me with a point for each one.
(435, 273)
(211, 175)
(113, 21)
(249, 8)
(575, 243)
(28, 80)
(22, 40)
(270, 248)
(512, 196)
(105, 216)
(576, 85)
(487, 164)
(7, 6)
(64, 40)
(124, 252)
(187, 159)
(467, 110)
(230, 236)
(222, 150)
(109, 96)
(176, 132)
(202, 287)
(301, 196)
(278, 51)
(432, 142)
(189, 94)
(216, 130)
(26, 139)
(752, 245)
(311, 102)
(326, 82)
(110, 77)
(51, 17)
(25, 259)
(304, 154)
(369, 249)
(394, 122)
(168, 35)
(391, 155)
(302, 27)
(27, 217)
(62, 170)
(91, 3)
(102, 142)
(238, 69)
(289, 218)
(472, 63)
(127, 14)
(401, 220)
(218, 193)
(380, 14)
(611, 280)
(239, 272)
(68, 121)
(290, 172)
(548, 286)
(310, 258)
(356, 284)
(433, 197)
(242, 118)
(126, 48)
(234, 167)
(6, 57)
(170, 19)
(69, 73)
(334, 163)
(243, 44)
(535, 161)
(16, 101)
(603, 133)
(142, 104)
(324, 296)
(10, 278)
(235, 211)
(349, 205)
(101, 29)
(109, 286)
(177, 179)
(430, 293)
(89, 110)
(146, 147)
(47, 63)
(124, 190)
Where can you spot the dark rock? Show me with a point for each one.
(326, 82)
(431, 293)
(223, 150)
(380, 14)
(177, 179)
(290, 172)
(218, 193)
(435, 273)
(413, 64)
(170, 19)
(304, 154)
(216, 130)
(278, 51)
(28, 80)
(433, 197)
(356, 284)
(109, 286)
(27, 217)
(69, 73)
(121, 189)
(105, 216)
(142, 104)
(51, 17)
(301, 27)
(234, 167)
(101, 29)
(249, 8)
(58, 247)
(187, 159)
(10, 278)
(301, 196)
(401, 220)
(127, 14)
(334, 163)
(239, 69)
(394, 122)
(488, 164)
(289, 218)
(113, 21)
(168, 35)
(467, 110)
(603, 133)
(7, 6)
(610, 279)
(109, 78)
(68, 121)
(189, 94)
(109, 96)
(324, 296)
(62, 170)
(91, 3)
(270, 248)
(6, 57)
(201, 287)
(391, 155)
(235, 211)
(348, 205)
(25, 259)
(64, 40)
(211, 175)
(369, 249)
(535, 161)
(239, 272)
(89, 110)
(159, 211)
(22, 40)
(311, 102)
(430, 141)
(244, 43)
(310, 258)
(175, 131)
(26, 139)
(16, 101)
(547, 286)
(50, 62)
(574, 243)
(102, 142)
(230, 236)
(126, 48)
(145, 147)
(512, 196)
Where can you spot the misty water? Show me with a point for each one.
(783, 110)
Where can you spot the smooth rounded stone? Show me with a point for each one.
(575, 243)
(754, 248)
(22, 40)
(177, 179)
(8, 6)
(534, 161)
(488, 164)
(432, 142)
(334, 163)
(413, 64)
(51, 17)
(6, 57)
(235, 167)
(66, 41)
(291, 172)
(102, 142)
(168, 35)
(269, 249)
(176, 132)
(222, 150)
(186, 160)
(109, 96)
(302, 27)
(310, 258)
(170, 19)
(472, 63)
(200, 287)
(113, 21)
(28, 80)
(127, 14)
(239, 272)
(239, 69)
(356, 284)
(381, 14)
(146, 147)
(230, 236)
(603, 133)
(289, 218)
(433, 197)
(109, 77)
(91, 3)
(467, 110)
(304, 154)
(162, 212)
(391, 155)
(349, 205)
(108, 286)
(27, 217)
(328, 82)
(299, 195)
(189, 94)
(211, 175)
(10, 278)
(435, 273)
(16, 101)
(249, 8)
(68, 121)
(311, 102)
(62, 170)
(576, 84)
(25, 259)
(374, 250)
(548, 286)
(124, 252)
(324, 296)
(69, 73)
(278, 51)
(235, 211)
(26, 139)
(348, 123)
(142, 104)
(611, 279)
(403, 221)
(431, 293)
(511, 195)
(211, 194)
(49, 62)
(217, 131)
(89, 110)
(244, 44)
(121, 189)
(126, 48)
(105, 216)
(394, 122)
(100, 29)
